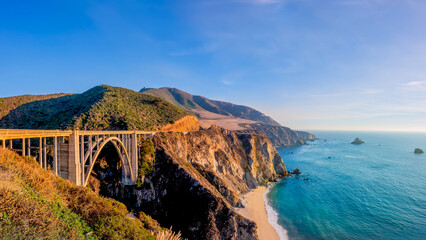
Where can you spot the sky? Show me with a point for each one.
(309, 64)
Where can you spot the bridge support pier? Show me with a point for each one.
(74, 167)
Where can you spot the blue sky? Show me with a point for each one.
(310, 64)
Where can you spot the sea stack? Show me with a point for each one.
(357, 141)
(418, 150)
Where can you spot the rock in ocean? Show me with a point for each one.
(418, 150)
(357, 141)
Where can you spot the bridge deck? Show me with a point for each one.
(26, 133)
(30, 133)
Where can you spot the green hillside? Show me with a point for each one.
(100, 108)
(7, 104)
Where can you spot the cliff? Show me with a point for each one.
(306, 136)
(191, 181)
(279, 136)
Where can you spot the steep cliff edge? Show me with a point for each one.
(191, 181)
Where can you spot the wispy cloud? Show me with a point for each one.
(416, 83)
(226, 82)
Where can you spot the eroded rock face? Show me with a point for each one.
(279, 135)
(196, 179)
(233, 162)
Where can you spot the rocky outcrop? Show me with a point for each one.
(198, 177)
(305, 136)
(280, 136)
(418, 151)
(357, 141)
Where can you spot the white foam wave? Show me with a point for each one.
(273, 217)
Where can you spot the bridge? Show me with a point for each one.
(72, 154)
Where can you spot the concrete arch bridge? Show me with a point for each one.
(75, 152)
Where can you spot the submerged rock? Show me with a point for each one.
(357, 141)
(296, 171)
(418, 150)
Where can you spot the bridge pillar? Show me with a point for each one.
(134, 157)
(74, 168)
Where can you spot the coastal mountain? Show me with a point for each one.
(190, 179)
(230, 116)
(205, 108)
(100, 108)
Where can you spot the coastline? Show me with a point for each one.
(258, 210)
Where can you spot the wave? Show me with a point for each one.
(273, 217)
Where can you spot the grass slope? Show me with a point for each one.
(100, 108)
(35, 204)
(7, 104)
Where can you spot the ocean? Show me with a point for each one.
(376, 190)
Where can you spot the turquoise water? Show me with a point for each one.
(372, 191)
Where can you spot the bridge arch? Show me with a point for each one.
(122, 153)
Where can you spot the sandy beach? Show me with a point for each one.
(255, 210)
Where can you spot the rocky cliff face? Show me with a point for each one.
(280, 136)
(306, 136)
(197, 177)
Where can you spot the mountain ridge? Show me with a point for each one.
(99, 108)
(231, 116)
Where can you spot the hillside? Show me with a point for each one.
(206, 108)
(35, 204)
(7, 104)
(230, 116)
(100, 108)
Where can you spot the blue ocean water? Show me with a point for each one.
(376, 190)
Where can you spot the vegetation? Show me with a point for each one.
(35, 204)
(191, 102)
(9, 103)
(145, 160)
(100, 108)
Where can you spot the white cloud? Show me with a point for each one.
(416, 83)
(226, 82)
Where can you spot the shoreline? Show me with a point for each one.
(258, 210)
